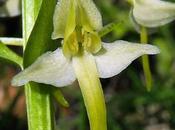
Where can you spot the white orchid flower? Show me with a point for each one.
(83, 57)
(153, 13)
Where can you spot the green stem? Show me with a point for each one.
(39, 107)
(145, 60)
(38, 99)
(12, 41)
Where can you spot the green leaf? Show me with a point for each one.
(40, 39)
(38, 98)
(7, 54)
(30, 13)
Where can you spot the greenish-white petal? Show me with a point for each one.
(93, 14)
(62, 12)
(50, 68)
(70, 44)
(153, 13)
(116, 56)
(138, 26)
(60, 18)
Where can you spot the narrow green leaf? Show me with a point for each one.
(38, 98)
(40, 39)
(30, 13)
(12, 41)
(7, 54)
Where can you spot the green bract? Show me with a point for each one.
(83, 56)
(153, 13)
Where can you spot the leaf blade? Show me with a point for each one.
(40, 39)
(38, 98)
(6, 53)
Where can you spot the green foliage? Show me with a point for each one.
(38, 96)
(30, 12)
(7, 54)
(40, 38)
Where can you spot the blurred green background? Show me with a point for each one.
(129, 105)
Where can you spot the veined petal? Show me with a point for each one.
(93, 14)
(153, 13)
(60, 18)
(116, 56)
(50, 68)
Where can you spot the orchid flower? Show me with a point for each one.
(150, 14)
(83, 56)
(153, 13)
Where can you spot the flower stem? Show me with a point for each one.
(12, 41)
(86, 72)
(40, 112)
(145, 60)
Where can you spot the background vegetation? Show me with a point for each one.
(129, 105)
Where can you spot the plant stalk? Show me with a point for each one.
(38, 99)
(145, 60)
